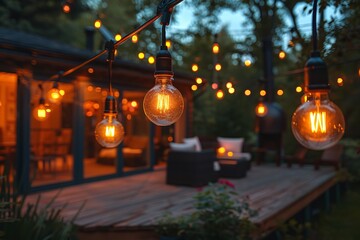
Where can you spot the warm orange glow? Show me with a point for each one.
(221, 150)
(110, 131)
(229, 85)
(230, 154)
(117, 94)
(134, 104)
(141, 55)
(170, 139)
(282, 55)
(194, 67)
(118, 37)
(90, 70)
(199, 80)
(340, 81)
(219, 94)
(134, 39)
(214, 86)
(280, 92)
(231, 90)
(318, 122)
(98, 89)
(247, 63)
(97, 23)
(262, 93)
(168, 43)
(151, 60)
(41, 113)
(55, 95)
(218, 67)
(194, 87)
(261, 109)
(216, 48)
(96, 106)
(247, 92)
(298, 89)
(66, 8)
(291, 43)
(163, 103)
(124, 101)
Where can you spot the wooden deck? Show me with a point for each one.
(132, 204)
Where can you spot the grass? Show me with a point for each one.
(343, 222)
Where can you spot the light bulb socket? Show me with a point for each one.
(164, 62)
(315, 74)
(41, 101)
(110, 105)
(55, 85)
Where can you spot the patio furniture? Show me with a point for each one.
(330, 156)
(299, 157)
(191, 168)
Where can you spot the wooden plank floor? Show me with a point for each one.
(136, 202)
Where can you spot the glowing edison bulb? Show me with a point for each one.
(54, 95)
(220, 94)
(163, 104)
(109, 132)
(97, 23)
(318, 123)
(216, 48)
(261, 110)
(41, 112)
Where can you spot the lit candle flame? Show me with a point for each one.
(163, 103)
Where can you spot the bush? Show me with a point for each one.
(219, 214)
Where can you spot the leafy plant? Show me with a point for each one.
(220, 214)
(27, 221)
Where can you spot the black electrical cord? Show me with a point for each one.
(314, 30)
(164, 7)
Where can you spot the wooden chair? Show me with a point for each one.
(330, 156)
(299, 157)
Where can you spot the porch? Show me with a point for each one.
(127, 208)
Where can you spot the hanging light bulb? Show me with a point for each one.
(317, 123)
(216, 48)
(54, 95)
(163, 104)
(41, 112)
(261, 109)
(109, 132)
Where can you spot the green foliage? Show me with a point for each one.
(28, 221)
(293, 230)
(220, 214)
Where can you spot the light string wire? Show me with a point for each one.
(164, 4)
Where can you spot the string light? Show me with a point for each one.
(66, 7)
(118, 37)
(199, 80)
(218, 67)
(261, 109)
(280, 92)
(298, 89)
(317, 123)
(340, 81)
(151, 60)
(262, 93)
(134, 38)
(219, 94)
(97, 23)
(141, 55)
(194, 67)
(231, 90)
(282, 55)
(247, 63)
(216, 48)
(214, 86)
(194, 87)
(229, 85)
(168, 43)
(247, 92)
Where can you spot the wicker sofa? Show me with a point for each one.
(191, 168)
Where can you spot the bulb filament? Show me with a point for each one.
(110, 131)
(41, 113)
(163, 103)
(318, 122)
